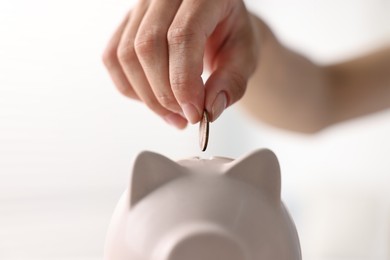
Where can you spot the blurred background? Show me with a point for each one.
(68, 138)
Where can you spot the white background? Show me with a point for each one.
(67, 138)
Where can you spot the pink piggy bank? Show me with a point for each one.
(198, 209)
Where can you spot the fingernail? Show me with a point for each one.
(190, 112)
(219, 105)
(175, 120)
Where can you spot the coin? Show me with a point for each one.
(204, 131)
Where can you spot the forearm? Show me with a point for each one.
(287, 90)
(361, 86)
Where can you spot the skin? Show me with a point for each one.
(159, 52)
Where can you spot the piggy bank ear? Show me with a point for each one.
(261, 169)
(150, 171)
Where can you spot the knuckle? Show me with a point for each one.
(146, 42)
(181, 35)
(181, 85)
(127, 92)
(126, 54)
(153, 104)
(167, 101)
(180, 81)
(109, 57)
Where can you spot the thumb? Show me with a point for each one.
(233, 67)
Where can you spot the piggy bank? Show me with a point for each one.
(203, 209)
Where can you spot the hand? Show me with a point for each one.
(158, 52)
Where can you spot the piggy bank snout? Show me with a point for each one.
(205, 244)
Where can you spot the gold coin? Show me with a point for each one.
(204, 131)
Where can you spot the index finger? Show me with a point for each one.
(194, 22)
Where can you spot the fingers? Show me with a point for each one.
(135, 73)
(233, 65)
(227, 84)
(187, 36)
(152, 50)
(110, 60)
(157, 55)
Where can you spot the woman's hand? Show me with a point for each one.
(158, 52)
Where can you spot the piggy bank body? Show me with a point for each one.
(198, 209)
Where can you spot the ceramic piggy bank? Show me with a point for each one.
(203, 209)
